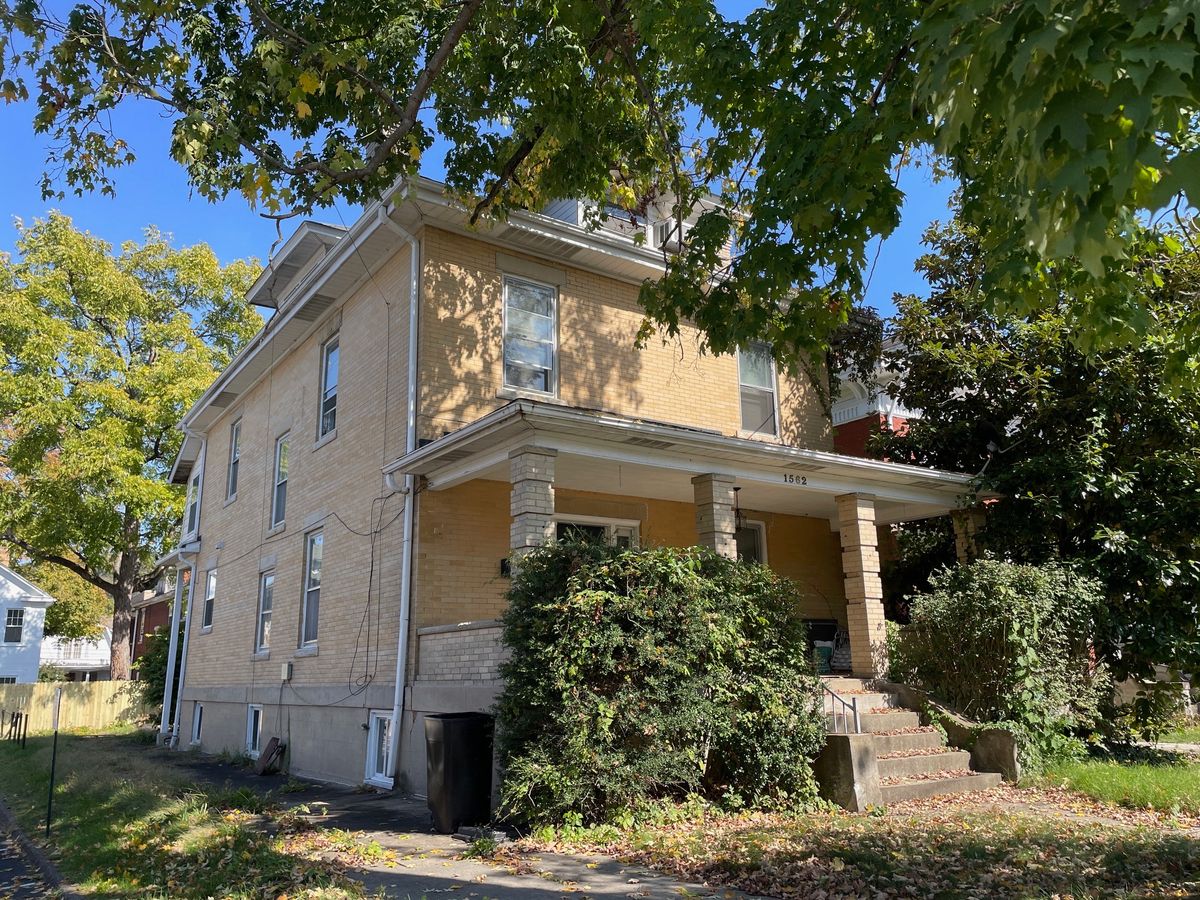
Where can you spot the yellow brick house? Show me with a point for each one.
(428, 400)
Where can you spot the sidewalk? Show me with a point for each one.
(19, 877)
(417, 862)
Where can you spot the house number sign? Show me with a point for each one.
(789, 478)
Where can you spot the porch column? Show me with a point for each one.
(864, 589)
(531, 474)
(968, 523)
(715, 521)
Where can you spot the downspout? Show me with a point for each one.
(164, 726)
(410, 444)
(187, 633)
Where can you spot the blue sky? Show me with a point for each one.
(154, 191)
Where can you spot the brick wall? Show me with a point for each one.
(468, 651)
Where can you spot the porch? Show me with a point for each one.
(810, 515)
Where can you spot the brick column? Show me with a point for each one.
(715, 521)
(864, 590)
(968, 523)
(531, 503)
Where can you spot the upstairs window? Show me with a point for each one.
(756, 373)
(192, 514)
(329, 386)
(14, 626)
(266, 600)
(530, 336)
(312, 587)
(210, 597)
(235, 458)
(279, 495)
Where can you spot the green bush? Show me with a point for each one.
(638, 675)
(1010, 644)
(151, 666)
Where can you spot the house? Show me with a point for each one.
(427, 402)
(864, 409)
(80, 659)
(23, 615)
(151, 611)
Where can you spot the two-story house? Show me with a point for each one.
(23, 615)
(427, 401)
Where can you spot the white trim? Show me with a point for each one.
(371, 775)
(609, 524)
(336, 340)
(196, 477)
(761, 527)
(235, 443)
(259, 645)
(252, 750)
(283, 440)
(306, 588)
(197, 723)
(209, 601)
(759, 433)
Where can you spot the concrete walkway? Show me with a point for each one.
(417, 862)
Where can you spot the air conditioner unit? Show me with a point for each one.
(667, 237)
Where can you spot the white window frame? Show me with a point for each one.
(210, 599)
(262, 615)
(281, 442)
(613, 528)
(774, 391)
(235, 461)
(761, 527)
(310, 589)
(191, 511)
(333, 343)
(380, 719)
(554, 344)
(254, 736)
(17, 613)
(197, 722)
(8, 679)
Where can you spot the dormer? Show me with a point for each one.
(300, 254)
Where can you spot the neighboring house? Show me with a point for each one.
(862, 410)
(22, 616)
(151, 611)
(80, 659)
(429, 401)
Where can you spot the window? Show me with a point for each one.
(379, 746)
(254, 730)
(279, 497)
(329, 387)
(756, 372)
(14, 626)
(197, 722)
(266, 596)
(751, 541)
(210, 596)
(235, 458)
(617, 532)
(312, 587)
(530, 336)
(192, 516)
(8, 679)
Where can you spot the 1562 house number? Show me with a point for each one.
(789, 478)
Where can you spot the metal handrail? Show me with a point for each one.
(849, 712)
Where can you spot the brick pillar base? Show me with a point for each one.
(968, 523)
(716, 524)
(864, 589)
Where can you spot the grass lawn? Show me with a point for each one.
(1002, 845)
(1189, 735)
(1163, 781)
(125, 825)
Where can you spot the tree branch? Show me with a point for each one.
(69, 564)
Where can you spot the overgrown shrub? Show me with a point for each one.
(151, 666)
(1007, 643)
(638, 675)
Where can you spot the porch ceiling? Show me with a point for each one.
(614, 455)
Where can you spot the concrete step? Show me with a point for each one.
(913, 740)
(888, 721)
(839, 683)
(937, 787)
(904, 766)
(866, 701)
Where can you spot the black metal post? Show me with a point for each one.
(50, 797)
(25, 733)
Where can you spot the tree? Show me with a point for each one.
(103, 353)
(1097, 457)
(79, 609)
(1066, 122)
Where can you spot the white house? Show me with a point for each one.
(81, 659)
(22, 615)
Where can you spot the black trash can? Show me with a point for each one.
(458, 749)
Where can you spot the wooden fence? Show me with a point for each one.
(87, 704)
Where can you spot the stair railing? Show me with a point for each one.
(850, 723)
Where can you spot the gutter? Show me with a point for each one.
(408, 490)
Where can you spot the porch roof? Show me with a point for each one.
(611, 454)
